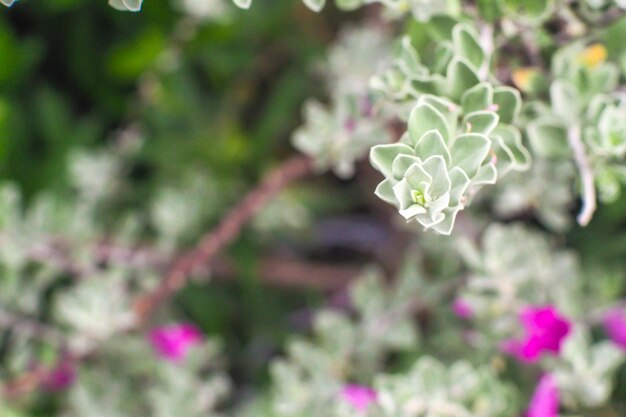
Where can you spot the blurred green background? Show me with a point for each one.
(214, 97)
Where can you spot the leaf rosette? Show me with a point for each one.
(449, 153)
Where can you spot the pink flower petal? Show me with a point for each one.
(174, 341)
(60, 377)
(545, 331)
(359, 396)
(545, 400)
(615, 326)
(462, 309)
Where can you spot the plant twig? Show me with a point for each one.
(225, 232)
(586, 176)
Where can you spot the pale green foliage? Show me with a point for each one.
(599, 4)
(586, 370)
(455, 144)
(338, 135)
(123, 5)
(430, 388)
(177, 209)
(458, 65)
(309, 380)
(125, 381)
(606, 133)
(445, 158)
(465, 129)
(126, 5)
(515, 267)
(545, 190)
(582, 100)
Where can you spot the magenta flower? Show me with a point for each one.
(545, 401)
(462, 309)
(545, 332)
(615, 326)
(61, 377)
(174, 341)
(359, 396)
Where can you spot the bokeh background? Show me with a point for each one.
(188, 105)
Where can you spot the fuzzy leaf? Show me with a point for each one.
(382, 156)
(469, 152)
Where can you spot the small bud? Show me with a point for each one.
(524, 77)
(594, 55)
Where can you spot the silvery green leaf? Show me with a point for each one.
(510, 151)
(437, 168)
(430, 388)
(548, 138)
(244, 4)
(469, 151)
(126, 5)
(509, 103)
(483, 122)
(536, 10)
(401, 164)
(315, 5)
(544, 190)
(565, 101)
(477, 98)
(384, 191)
(449, 110)
(532, 271)
(460, 78)
(8, 3)
(348, 4)
(606, 129)
(443, 55)
(466, 46)
(432, 143)
(585, 375)
(382, 156)
(604, 79)
(425, 118)
(487, 174)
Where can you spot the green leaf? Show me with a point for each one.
(487, 174)
(510, 149)
(461, 77)
(126, 5)
(469, 151)
(425, 118)
(244, 4)
(548, 138)
(530, 8)
(438, 170)
(315, 5)
(384, 191)
(401, 164)
(481, 122)
(565, 101)
(432, 143)
(477, 98)
(509, 102)
(460, 181)
(467, 46)
(382, 156)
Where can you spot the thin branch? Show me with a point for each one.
(294, 273)
(190, 262)
(586, 175)
(226, 231)
(25, 383)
